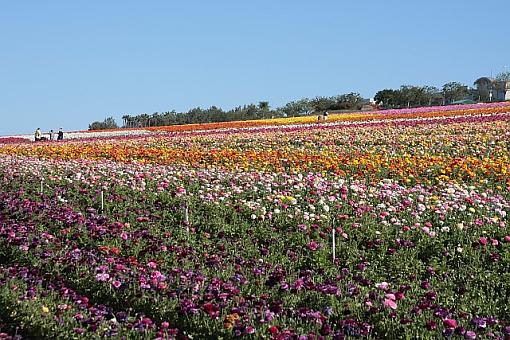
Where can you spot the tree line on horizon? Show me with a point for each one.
(404, 97)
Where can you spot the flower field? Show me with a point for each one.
(364, 227)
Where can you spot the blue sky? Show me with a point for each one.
(68, 63)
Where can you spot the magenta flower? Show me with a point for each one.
(313, 246)
(450, 323)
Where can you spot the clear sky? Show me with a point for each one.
(68, 63)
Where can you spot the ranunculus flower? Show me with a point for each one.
(390, 303)
(431, 325)
(273, 330)
(312, 245)
(382, 285)
(470, 335)
(102, 277)
(450, 323)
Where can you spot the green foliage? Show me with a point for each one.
(409, 96)
(108, 123)
(214, 114)
(453, 91)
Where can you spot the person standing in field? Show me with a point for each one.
(60, 135)
(37, 135)
(51, 134)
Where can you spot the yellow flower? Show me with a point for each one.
(45, 309)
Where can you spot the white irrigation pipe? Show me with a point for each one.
(102, 201)
(42, 183)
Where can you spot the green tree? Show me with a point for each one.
(453, 91)
(297, 108)
(108, 123)
(388, 98)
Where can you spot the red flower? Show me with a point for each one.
(209, 307)
(273, 330)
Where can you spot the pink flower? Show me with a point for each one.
(102, 277)
(450, 323)
(382, 285)
(116, 284)
(390, 296)
(483, 241)
(312, 245)
(470, 335)
(390, 303)
(507, 238)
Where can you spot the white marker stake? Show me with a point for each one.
(186, 217)
(42, 181)
(334, 246)
(102, 201)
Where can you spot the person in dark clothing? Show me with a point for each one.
(60, 135)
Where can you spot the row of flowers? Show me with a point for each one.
(369, 116)
(444, 111)
(466, 149)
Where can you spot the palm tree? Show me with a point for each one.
(126, 119)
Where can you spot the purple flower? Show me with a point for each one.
(470, 335)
